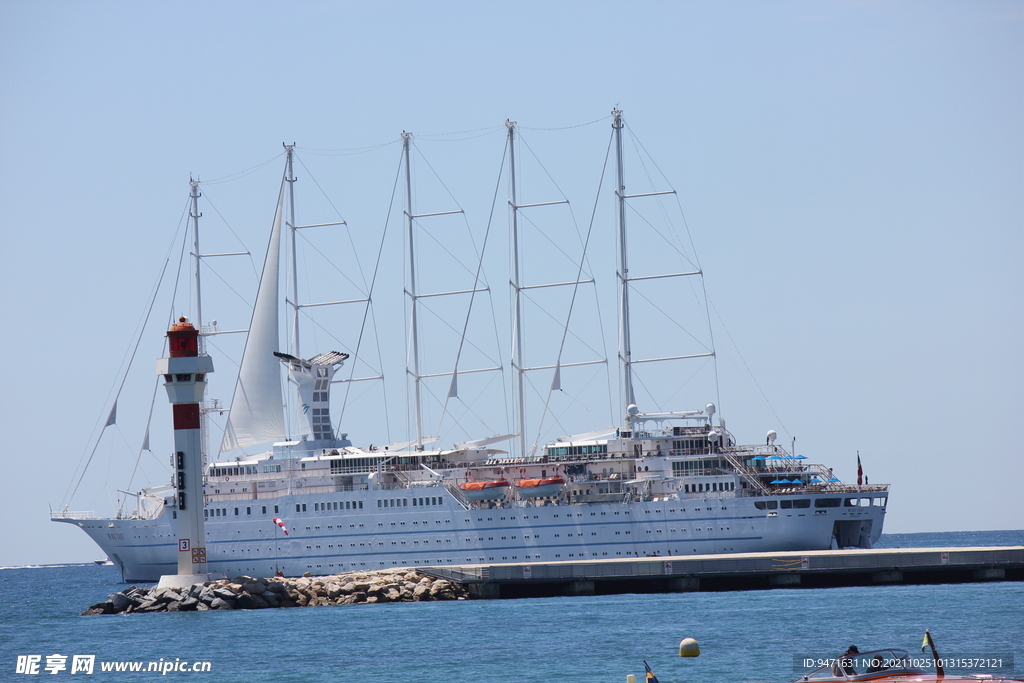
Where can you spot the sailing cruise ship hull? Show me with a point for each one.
(329, 541)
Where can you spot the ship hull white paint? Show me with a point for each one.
(332, 541)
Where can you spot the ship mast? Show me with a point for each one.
(517, 328)
(413, 298)
(625, 352)
(195, 214)
(289, 178)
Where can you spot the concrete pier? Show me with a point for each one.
(746, 571)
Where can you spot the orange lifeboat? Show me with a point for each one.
(545, 487)
(484, 490)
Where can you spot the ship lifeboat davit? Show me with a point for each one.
(484, 490)
(547, 487)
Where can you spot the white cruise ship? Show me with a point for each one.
(658, 484)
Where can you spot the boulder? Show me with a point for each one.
(221, 603)
(226, 593)
(165, 594)
(120, 601)
(442, 590)
(105, 607)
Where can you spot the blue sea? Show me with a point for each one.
(744, 636)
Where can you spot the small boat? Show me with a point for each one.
(545, 487)
(484, 490)
(105, 560)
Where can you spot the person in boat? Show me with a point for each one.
(876, 665)
(844, 665)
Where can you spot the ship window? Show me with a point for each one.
(405, 502)
(303, 507)
(878, 501)
(183, 378)
(760, 504)
(316, 507)
(275, 509)
(851, 502)
(801, 503)
(380, 504)
(264, 509)
(785, 504)
(827, 502)
(168, 378)
(297, 508)
(248, 511)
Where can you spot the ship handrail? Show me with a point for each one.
(745, 471)
(457, 494)
(70, 514)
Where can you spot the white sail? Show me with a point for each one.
(257, 407)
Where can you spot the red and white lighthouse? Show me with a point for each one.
(184, 375)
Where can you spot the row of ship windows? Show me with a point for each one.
(578, 450)
(437, 500)
(335, 505)
(223, 512)
(244, 469)
(713, 486)
(819, 503)
(404, 502)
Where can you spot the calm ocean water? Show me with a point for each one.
(744, 636)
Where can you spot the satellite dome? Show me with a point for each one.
(710, 409)
(772, 435)
(712, 436)
(631, 409)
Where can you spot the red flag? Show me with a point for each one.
(860, 471)
(277, 521)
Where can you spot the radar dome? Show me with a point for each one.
(631, 409)
(772, 435)
(712, 436)
(710, 409)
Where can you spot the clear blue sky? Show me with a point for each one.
(852, 174)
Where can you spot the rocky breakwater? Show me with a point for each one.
(245, 592)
